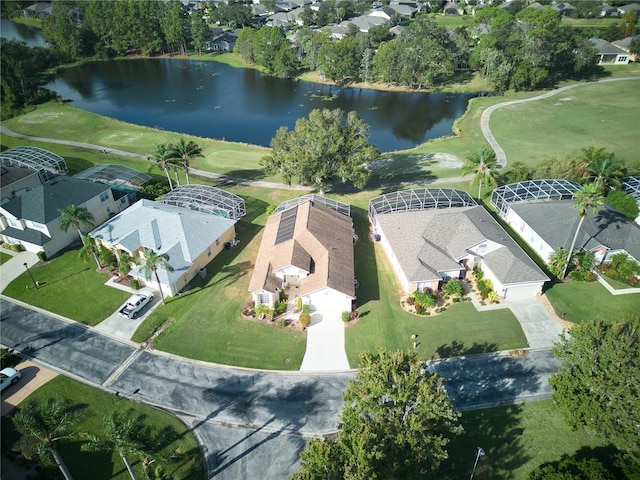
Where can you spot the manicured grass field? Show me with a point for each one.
(5, 257)
(187, 460)
(580, 302)
(69, 288)
(516, 440)
(563, 124)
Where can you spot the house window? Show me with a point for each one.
(217, 242)
(264, 298)
(622, 58)
(104, 196)
(209, 251)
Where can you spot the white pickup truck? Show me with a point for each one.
(135, 304)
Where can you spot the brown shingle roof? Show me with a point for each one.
(322, 244)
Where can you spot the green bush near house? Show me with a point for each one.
(305, 320)
(346, 316)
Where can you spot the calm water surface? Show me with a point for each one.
(16, 31)
(213, 100)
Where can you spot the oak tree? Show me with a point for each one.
(323, 150)
(598, 384)
(396, 423)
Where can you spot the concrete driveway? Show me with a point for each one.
(33, 377)
(123, 327)
(325, 344)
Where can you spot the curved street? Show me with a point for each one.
(251, 424)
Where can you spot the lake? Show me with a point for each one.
(213, 100)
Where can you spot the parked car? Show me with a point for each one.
(135, 304)
(9, 376)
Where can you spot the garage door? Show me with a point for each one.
(524, 292)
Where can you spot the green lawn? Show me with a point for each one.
(580, 302)
(187, 464)
(516, 440)
(563, 124)
(5, 257)
(69, 288)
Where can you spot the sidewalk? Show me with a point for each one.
(13, 268)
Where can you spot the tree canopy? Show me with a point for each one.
(323, 150)
(598, 384)
(396, 423)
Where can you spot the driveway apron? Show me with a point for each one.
(540, 328)
(325, 344)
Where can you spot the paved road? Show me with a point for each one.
(252, 424)
(501, 157)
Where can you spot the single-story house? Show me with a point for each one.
(223, 42)
(39, 10)
(428, 244)
(307, 252)
(629, 7)
(625, 44)
(609, 54)
(191, 239)
(565, 9)
(548, 224)
(452, 8)
(33, 218)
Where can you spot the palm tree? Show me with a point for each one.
(151, 261)
(129, 435)
(162, 158)
(183, 153)
(604, 170)
(88, 250)
(589, 197)
(75, 217)
(481, 164)
(47, 422)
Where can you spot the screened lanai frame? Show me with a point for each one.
(115, 175)
(548, 189)
(204, 198)
(46, 163)
(419, 199)
(339, 207)
(631, 185)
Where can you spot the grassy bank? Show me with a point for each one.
(516, 440)
(180, 455)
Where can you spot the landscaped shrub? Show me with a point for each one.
(298, 305)
(624, 203)
(16, 247)
(281, 307)
(581, 265)
(453, 287)
(247, 310)
(346, 316)
(306, 309)
(492, 297)
(424, 299)
(135, 283)
(477, 275)
(623, 268)
(264, 311)
(486, 287)
(411, 300)
(282, 322)
(107, 256)
(305, 320)
(42, 256)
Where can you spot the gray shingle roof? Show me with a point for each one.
(556, 222)
(427, 241)
(182, 233)
(42, 204)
